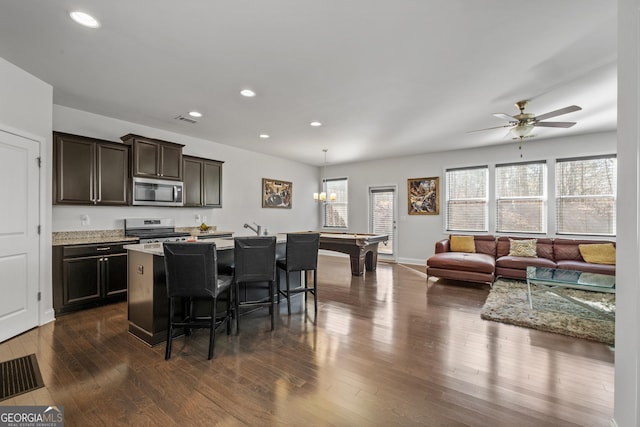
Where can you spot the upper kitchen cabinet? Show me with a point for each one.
(154, 158)
(202, 182)
(89, 171)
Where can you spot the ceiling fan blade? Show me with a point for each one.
(495, 127)
(555, 124)
(505, 117)
(559, 112)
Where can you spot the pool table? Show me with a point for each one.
(362, 248)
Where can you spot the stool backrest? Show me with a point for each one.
(254, 259)
(302, 251)
(191, 269)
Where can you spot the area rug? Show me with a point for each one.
(507, 303)
(19, 376)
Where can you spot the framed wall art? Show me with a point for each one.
(276, 193)
(423, 196)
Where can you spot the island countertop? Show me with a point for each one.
(222, 244)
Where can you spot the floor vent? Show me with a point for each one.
(186, 119)
(20, 376)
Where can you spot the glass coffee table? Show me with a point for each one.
(554, 279)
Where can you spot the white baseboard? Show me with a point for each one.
(48, 316)
(410, 261)
(413, 261)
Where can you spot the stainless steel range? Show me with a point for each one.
(152, 230)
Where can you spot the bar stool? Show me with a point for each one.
(301, 255)
(192, 274)
(255, 262)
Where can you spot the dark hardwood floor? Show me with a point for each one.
(387, 349)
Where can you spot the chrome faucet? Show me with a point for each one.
(257, 230)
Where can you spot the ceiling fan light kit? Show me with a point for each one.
(520, 131)
(521, 125)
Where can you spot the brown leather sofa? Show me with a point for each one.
(567, 256)
(515, 267)
(492, 259)
(470, 267)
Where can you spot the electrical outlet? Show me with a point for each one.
(198, 219)
(204, 219)
(85, 220)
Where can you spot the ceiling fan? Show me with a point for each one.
(522, 124)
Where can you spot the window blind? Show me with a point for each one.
(381, 208)
(521, 197)
(335, 214)
(586, 195)
(467, 204)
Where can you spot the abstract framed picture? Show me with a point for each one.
(423, 196)
(276, 193)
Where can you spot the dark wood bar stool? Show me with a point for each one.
(254, 264)
(192, 274)
(301, 255)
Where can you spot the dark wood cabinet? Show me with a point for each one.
(202, 182)
(89, 171)
(88, 275)
(154, 158)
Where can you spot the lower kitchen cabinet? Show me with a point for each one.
(88, 275)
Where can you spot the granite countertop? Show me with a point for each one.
(221, 245)
(195, 231)
(63, 238)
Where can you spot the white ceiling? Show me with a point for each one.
(387, 78)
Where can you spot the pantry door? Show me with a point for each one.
(19, 237)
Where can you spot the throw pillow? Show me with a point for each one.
(525, 248)
(462, 244)
(598, 253)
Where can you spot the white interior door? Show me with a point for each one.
(19, 240)
(382, 218)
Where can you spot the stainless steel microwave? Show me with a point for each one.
(157, 192)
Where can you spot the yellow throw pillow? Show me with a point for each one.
(525, 248)
(598, 253)
(462, 244)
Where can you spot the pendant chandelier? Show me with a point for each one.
(322, 196)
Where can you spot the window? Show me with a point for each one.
(335, 213)
(467, 203)
(521, 197)
(586, 195)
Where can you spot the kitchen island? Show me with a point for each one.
(147, 302)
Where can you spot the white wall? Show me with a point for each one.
(242, 175)
(418, 233)
(25, 109)
(627, 381)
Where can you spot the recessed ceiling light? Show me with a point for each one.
(264, 136)
(84, 19)
(248, 93)
(315, 124)
(195, 113)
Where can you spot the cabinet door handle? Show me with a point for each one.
(103, 249)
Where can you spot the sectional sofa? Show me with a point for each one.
(489, 257)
